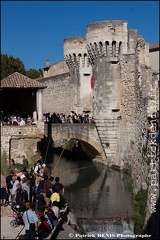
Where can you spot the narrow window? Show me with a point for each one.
(85, 60)
(101, 48)
(95, 47)
(120, 49)
(107, 48)
(114, 49)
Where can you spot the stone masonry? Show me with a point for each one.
(125, 90)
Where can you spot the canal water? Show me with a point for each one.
(94, 192)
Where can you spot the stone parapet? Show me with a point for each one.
(18, 141)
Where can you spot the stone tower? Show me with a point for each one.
(76, 57)
(118, 60)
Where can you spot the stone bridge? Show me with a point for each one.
(18, 141)
(86, 133)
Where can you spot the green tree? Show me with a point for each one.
(9, 65)
(33, 73)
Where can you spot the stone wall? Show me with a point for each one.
(139, 100)
(58, 95)
(55, 69)
(125, 92)
(18, 141)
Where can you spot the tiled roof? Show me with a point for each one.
(17, 80)
(154, 46)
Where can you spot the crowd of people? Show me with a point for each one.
(71, 118)
(39, 196)
(27, 120)
(17, 120)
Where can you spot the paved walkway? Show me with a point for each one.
(7, 232)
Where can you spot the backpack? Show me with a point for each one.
(53, 219)
(44, 229)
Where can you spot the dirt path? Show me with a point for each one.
(7, 232)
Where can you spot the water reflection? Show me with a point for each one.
(91, 190)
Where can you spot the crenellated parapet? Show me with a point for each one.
(76, 57)
(108, 39)
(75, 52)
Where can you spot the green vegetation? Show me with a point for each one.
(128, 172)
(140, 204)
(10, 65)
(115, 168)
(139, 201)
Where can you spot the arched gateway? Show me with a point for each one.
(86, 133)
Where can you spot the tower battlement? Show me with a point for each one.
(110, 38)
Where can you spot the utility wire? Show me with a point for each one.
(77, 169)
(47, 150)
(59, 158)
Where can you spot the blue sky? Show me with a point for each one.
(34, 31)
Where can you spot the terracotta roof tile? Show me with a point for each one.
(17, 80)
(154, 46)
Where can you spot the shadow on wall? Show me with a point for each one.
(152, 227)
(45, 146)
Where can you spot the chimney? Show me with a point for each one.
(47, 63)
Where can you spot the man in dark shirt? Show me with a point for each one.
(57, 186)
(40, 201)
(9, 186)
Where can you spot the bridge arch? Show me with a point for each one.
(86, 133)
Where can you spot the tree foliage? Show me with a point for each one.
(10, 65)
(33, 73)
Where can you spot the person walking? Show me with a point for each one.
(25, 162)
(9, 186)
(3, 190)
(31, 222)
